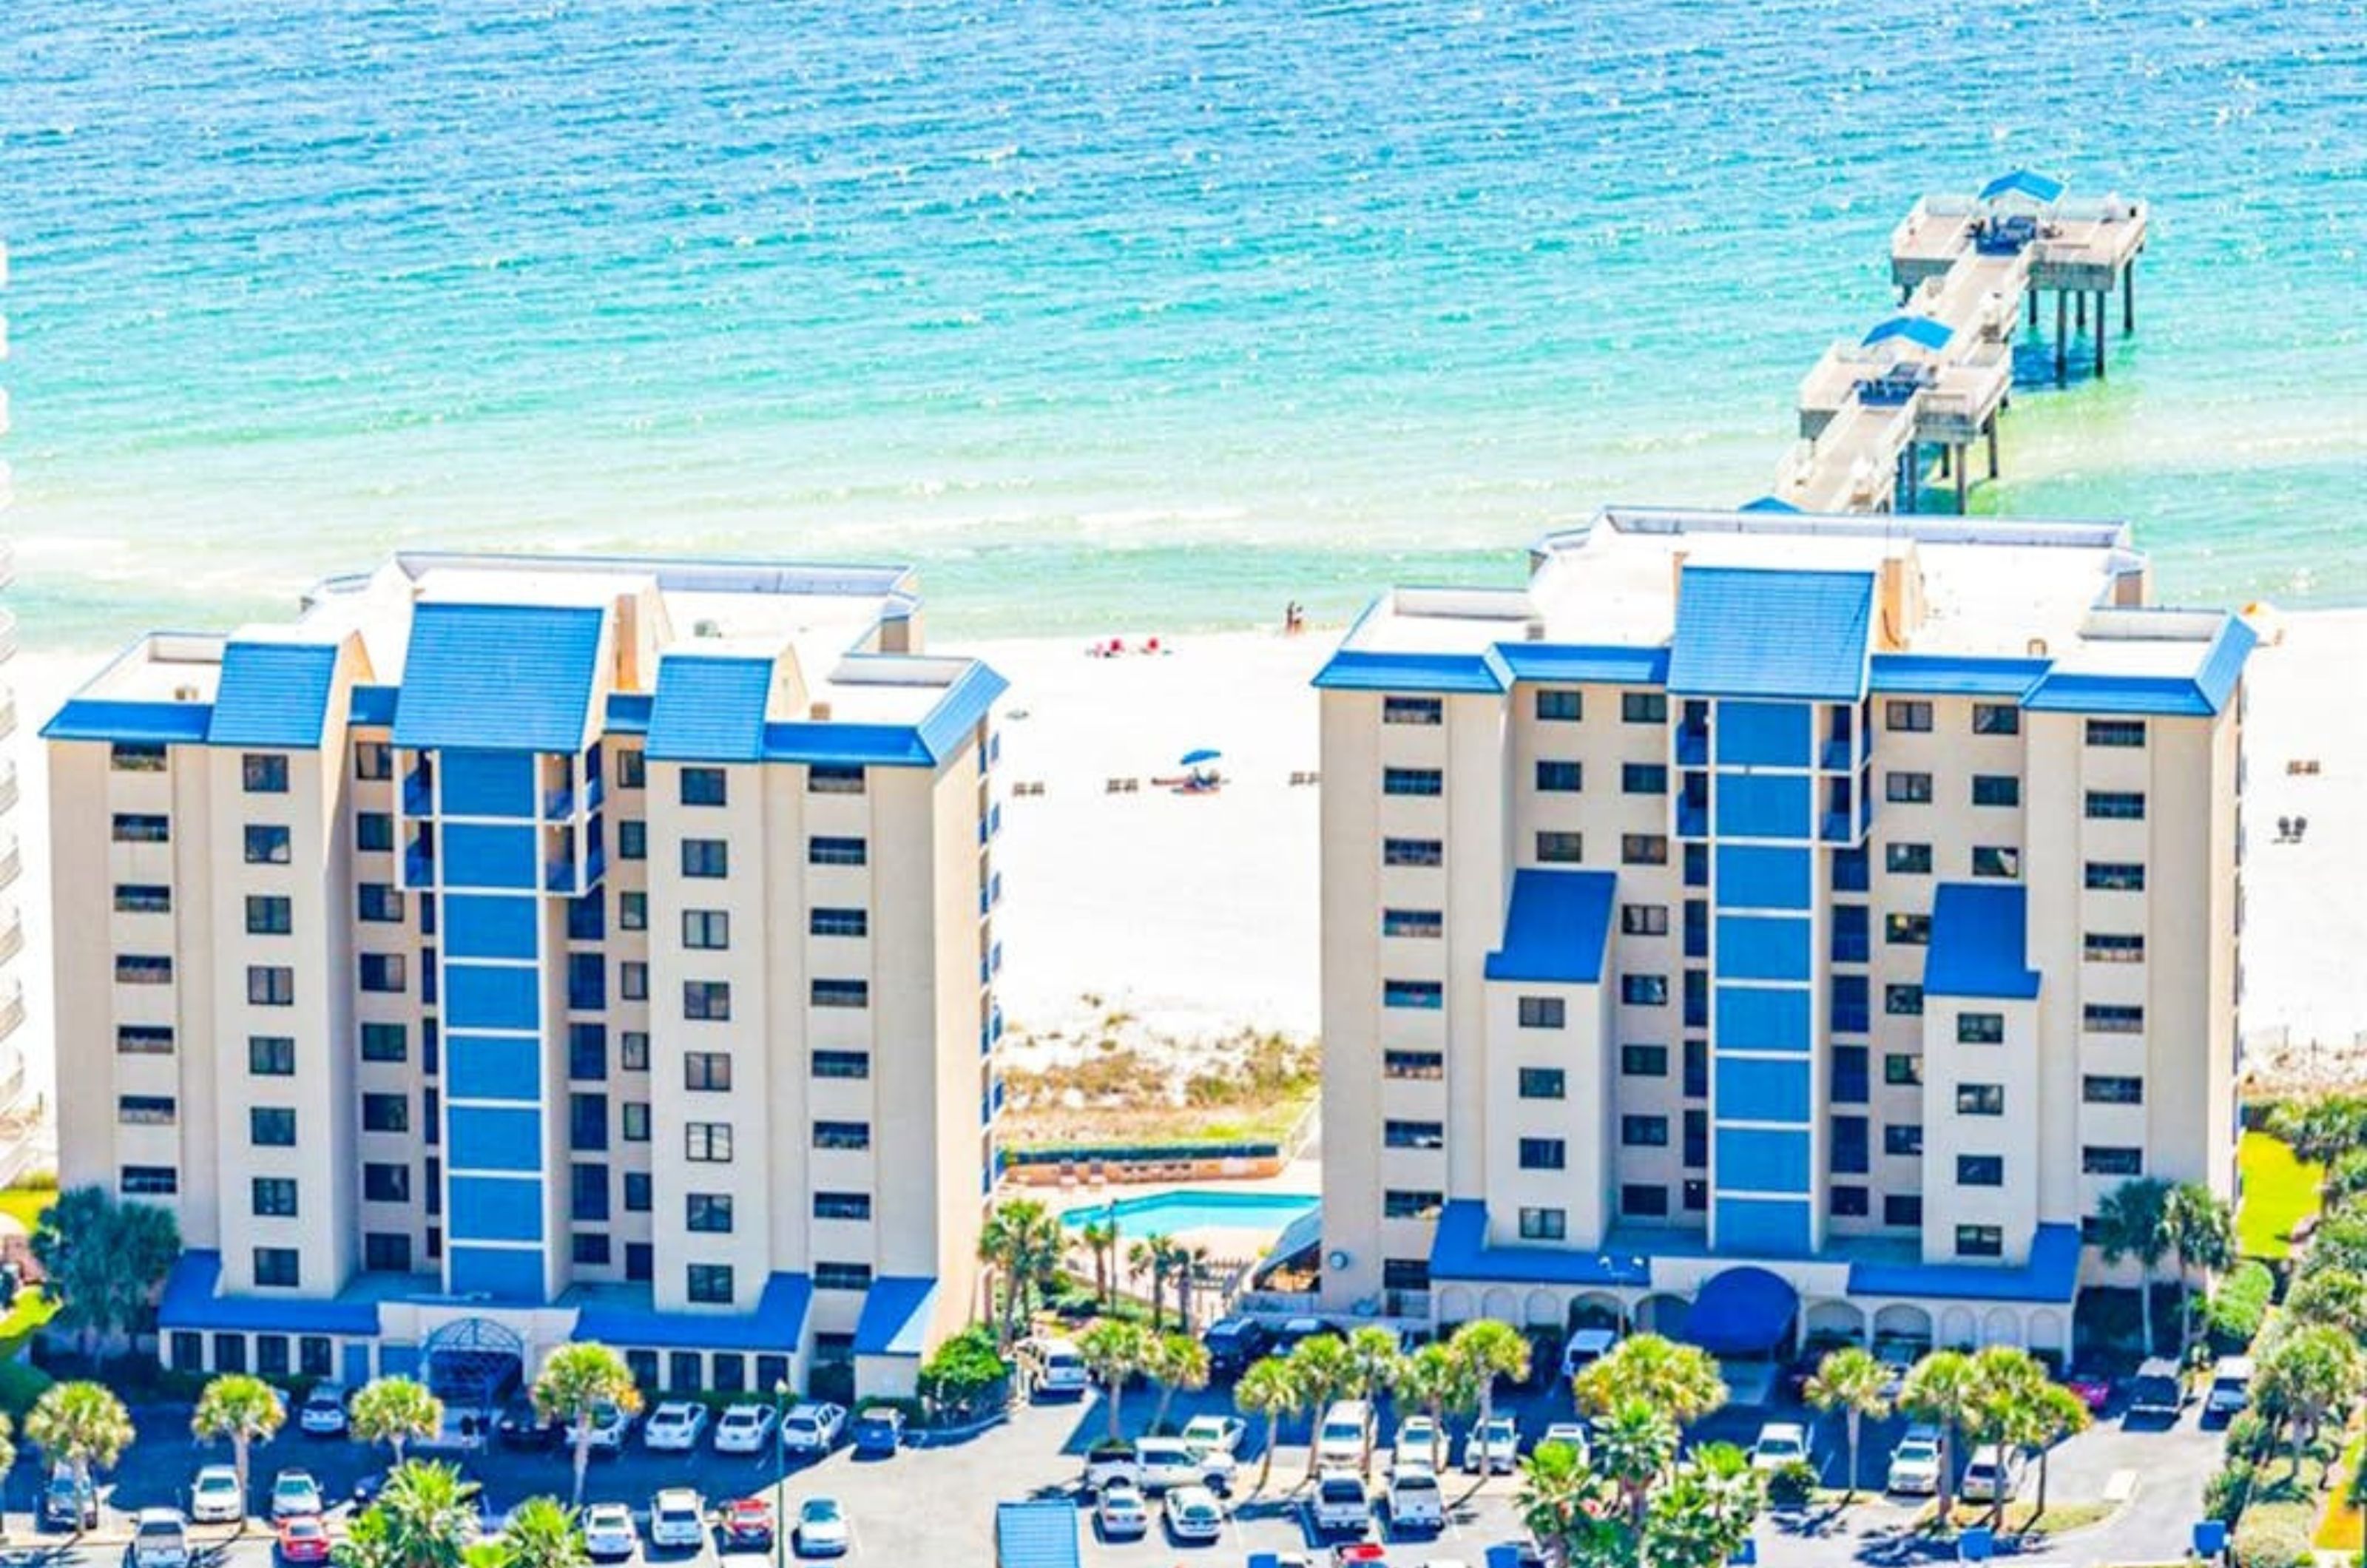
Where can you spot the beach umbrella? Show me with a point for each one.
(1193, 759)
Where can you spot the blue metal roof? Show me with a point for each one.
(709, 708)
(1748, 633)
(895, 1320)
(273, 694)
(96, 718)
(191, 1300)
(1375, 670)
(966, 702)
(1460, 1249)
(939, 736)
(2199, 695)
(1576, 664)
(777, 1323)
(1979, 935)
(2050, 1275)
(2038, 187)
(1040, 1533)
(1954, 675)
(373, 705)
(1741, 1312)
(1767, 503)
(499, 677)
(1557, 926)
(628, 713)
(1920, 331)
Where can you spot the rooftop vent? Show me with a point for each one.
(185, 693)
(820, 713)
(2036, 647)
(707, 628)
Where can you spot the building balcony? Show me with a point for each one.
(1693, 821)
(559, 805)
(7, 785)
(419, 866)
(12, 933)
(8, 635)
(1851, 1019)
(1696, 941)
(1692, 746)
(12, 863)
(596, 795)
(418, 796)
(1852, 947)
(12, 1007)
(1835, 756)
(7, 713)
(1837, 829)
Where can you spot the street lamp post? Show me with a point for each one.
(780, 1475)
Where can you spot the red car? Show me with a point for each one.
(2094, 1389)
(303, 1540)
(748, 1525)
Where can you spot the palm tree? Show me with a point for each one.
(1700, 1516)
(1021, 1241)
(1634, 1444)
(1188, 1262)
(424, 1519)
(1438, 1380)
(1270, 1387)
(245, 1411)
(2200, 1227)
(1678, 1379)
(575, 1382)
(395, 1411)
(1943, 1388)
(1154, 1254)
(1850, 1380)
(2310, 1373)
(1099, 1238)
(2009, 1385)
(7, 1463)
(1324, 1371)
(1178, 1361)
(2050, 1414)
(1376, 1362)
(1561, 1502)
(542, 1533)
(1114, 1351)
(2329, 1295)
(1492, 1351)
(2321, 1130)
(80, 1425)
(2129, 1224)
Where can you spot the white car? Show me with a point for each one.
(1415, 1502)
(1493, 1446)
(1120, 1512)
(674, 1427)
(294, 1493)
(608, 1533)
(1161, 1463)
(610, 1424)
(679, 1518)
(1207, 1435)
(1570, 1433)
(1898, 1358)
(812, 1429)
(1915, 1462)
(1780, 1443)
(1194, 1513)
(159, 1539)
(1583, 1348)
(2231, 1386)
(1339, 1503)
(744, 1428)
(821, 1529)
(1417, 1442)
(1988, 1476)
(324, 1411)
(214, 1496)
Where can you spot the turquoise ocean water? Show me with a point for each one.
(1128, 314)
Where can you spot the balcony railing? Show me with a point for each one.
(7, 785)
(1692, 745)
(12, 863)
(417, 797)
(1837, 829)
(12, 934)
(559, 805)
(1852, 947)
(1693, 821)
(418, 866)
(7, 713)
(12, 1008)
(1850, 1020)
(1835, 758)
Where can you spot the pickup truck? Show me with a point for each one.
(1155, 1464)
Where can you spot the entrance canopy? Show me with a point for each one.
(1742, 1312)
(472, 1361)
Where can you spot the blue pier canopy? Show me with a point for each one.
(2025, 183)
(1920, 331)
(1742, 1312)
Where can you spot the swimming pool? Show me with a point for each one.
(1166, 1214)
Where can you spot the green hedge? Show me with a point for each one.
(2276, 1535)
(2238, 1307)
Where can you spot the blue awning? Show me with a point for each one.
(2052, 1274)
(895, 1320)
(191, 1300)
(1920, 331)
(778, 1324)
(2038, 187)
(1768, 504)
(1752, 633)
(1460, 1249)
(1979, 935)
(1742, 1312)
(1555, 927)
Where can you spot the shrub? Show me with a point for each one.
(1793, 1484)
(21, 1383)
(2276, 1535)
(2225, 1494)
(2238, 1306)
(2249, 1436)
(964, 1369)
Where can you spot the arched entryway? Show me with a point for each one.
(1455, 1305)
(1596, 1309)
(1662, 1313)
(1901, 1321)
(1543, 1309)
(472, 1363)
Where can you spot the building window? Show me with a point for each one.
(269, 914)
(842, 1205)
(1412, 710)
(276, 1265)
(2111, 1089)
(1695, 1154)
(1996, 789)
(706, 858)
(1644, 919)
(1643, 778)
(1848, 1084)
(708, 1213)
(632, 980)
(1847, 1202)
(148, 1180)
(2116, 804)
(836, 852)
(632, 770)
(1902, 1209)
(1910, 718)
(136, 828)
(2101, 1161)
(2099, 1018)
(1980, 1170)
(273, 1197)
(1643, 849)
(852, 1136)
(587, 918)
(1980, 1029)
(637, 1191)
(1907, 789)
(709, 999)
(707, 1072)
(145, 1109)
(1996, 718)
(702, 786)
(1560, 848)
(266, 844)
(1416, 1065)
(842, 1276)
(385, 1043)
(271, 1056)
(838, 922)
(1900, 1069)
(386, 1114)
(1543, 1153)
(271, 1126)
(373, 760)
(384, 972)
(1848, 1154)
(1544, 1083)
(1644, 707)
(587, 1052)
(1545, 1224)
(1906, 859)
(1542, 1013)
(1413, 1135)
(270, 986)
(1980, 1099)
(1644, 1061)
(1558, 707)
(1980, 1241)
(1644, 990)
(1995, 860)
(142, 898)
(2115, 876)
(633, 1121)
(841, 993)
(708, 1143)
(261, 772)
(2116, 732)
(1413, 781)
(136, 757)
(386, 1183)
(849, 1065)
(633, 1051)
(632, 840)
(1407, 1204)
(373, 831)
(587, 1121)
(1695, 1056)
(1427, 996)
(1412, 851)
(382, 903)
(1644, 1201)
(142, 969)
(1643, 1132)
(1413, 923)
(1559, 778)
(1902, 1138)
(144, 1039)
(826, 778)
(709, 1284)
(2110, 947)
(1906, 931)
(588, 1249)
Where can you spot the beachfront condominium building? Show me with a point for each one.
(18, 1120)
(512, 950)
(1767, 923)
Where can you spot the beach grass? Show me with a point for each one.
(2280, 1191)
(25, 1205)
(32, 1310)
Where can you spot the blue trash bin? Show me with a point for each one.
(1976, 1545)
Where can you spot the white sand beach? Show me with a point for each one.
(1197, 914)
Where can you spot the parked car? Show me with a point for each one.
(679, 1518)
(2231, 1386)
(1493, 1446)
(813, 1429)
(821, 1529)
(1583, 1348)
(305, 1539)
(521, 1425)
(1987, 1475)
(160, 1539)
(747, 1525)
(1780, 1443)
(214, 1496)
(1297, 1331)
(1119, 1512)
(1054, 1368)
(68, 1503)
(608, 1533)
(1205, 1435)
(322, 1414)
(1915, 1462)
(2156, 1393)
(674, 1427)
(1417, 1443)
(611, 1424)
(878, 1431)
(1898, 1358)
(2094, 1389)
(1343, 1436)
(294, 1493)
(1194, 1513)
(1414, 1500)
(1571, 1434)
(1339, 1503)
(1233, 1343)
(1161, 1463)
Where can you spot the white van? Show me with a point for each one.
(2231, 1386)
(1584, 1348)
(1340, 1438)
(1058, 1368)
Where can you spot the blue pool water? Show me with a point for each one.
(1170, 1213)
